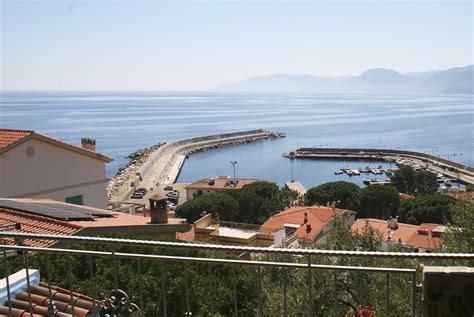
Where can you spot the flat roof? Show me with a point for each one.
(232, 232)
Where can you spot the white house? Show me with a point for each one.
(33, 165)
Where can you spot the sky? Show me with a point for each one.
(195, 45)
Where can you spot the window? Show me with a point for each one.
(77, 200)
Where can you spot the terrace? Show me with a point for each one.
(209, 277)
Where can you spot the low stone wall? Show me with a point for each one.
(448, 291)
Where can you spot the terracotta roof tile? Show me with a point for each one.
(83, 305)
(317, 218)
(412, 235)
(35, 224)
(10, 136)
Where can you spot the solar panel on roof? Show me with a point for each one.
(56, 211)
(79, 209)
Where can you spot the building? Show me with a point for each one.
(45, 216)
(231, 233)
(306, 225)
(207, 186)
(423, 238)
(33, 165)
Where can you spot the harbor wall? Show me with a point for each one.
(381, 152)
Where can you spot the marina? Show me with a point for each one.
(447, 172)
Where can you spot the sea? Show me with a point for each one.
(123, 122)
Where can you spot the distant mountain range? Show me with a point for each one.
(453, 80)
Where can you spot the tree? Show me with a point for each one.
(431, 208)
(264, 189)
(460, 234)
(217, 203)
(378, 202)
(426, 183)
(253, 203)
(345, 194)
(409, 181)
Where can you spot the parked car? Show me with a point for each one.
(141, 190)
(137, 195)
(168, 187)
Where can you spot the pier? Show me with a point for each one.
(165, 163)
(453, 170)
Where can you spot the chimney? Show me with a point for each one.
(88, 144)
(158, 211)
(305, 218)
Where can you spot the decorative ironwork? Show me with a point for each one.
(118, 302)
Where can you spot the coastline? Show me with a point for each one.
(160, 164)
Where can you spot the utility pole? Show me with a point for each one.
(233, 165)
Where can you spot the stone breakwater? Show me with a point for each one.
(269, 136)
(136, 161)
(163, 164)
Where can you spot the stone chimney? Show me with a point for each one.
(88, 144)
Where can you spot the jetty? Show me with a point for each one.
(163, 164)
(453, 170)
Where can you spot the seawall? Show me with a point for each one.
(164, 164)
(453, 169)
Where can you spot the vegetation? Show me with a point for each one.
(460, 236)
(353, 288)
(412, 182)
(345, 194)
(470, 188)
(378, 202)
(431, 208)
(254, 203)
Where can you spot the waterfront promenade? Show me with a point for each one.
(164, 164)
(450, 169)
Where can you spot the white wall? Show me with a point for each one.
(52, 172)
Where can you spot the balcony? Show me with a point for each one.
(126, 277)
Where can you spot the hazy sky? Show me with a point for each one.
(133, 45)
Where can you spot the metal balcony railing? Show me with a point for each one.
(119, 303)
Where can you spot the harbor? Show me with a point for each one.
(163, 163)
(447, 172)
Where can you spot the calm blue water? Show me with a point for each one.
(123, 122)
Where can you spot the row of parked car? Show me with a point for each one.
(171, 200)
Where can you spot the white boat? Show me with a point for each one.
(338, 172)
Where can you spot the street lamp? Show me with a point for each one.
(233, 165)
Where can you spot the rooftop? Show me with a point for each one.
(412, 235)
(220, 182)
(43, 224)
(10, 138)
(317, 216)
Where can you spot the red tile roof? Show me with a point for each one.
(317, 218)
(83, 305)
(10, 136)
(35, 224)
(412, 235)
(427, 236)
